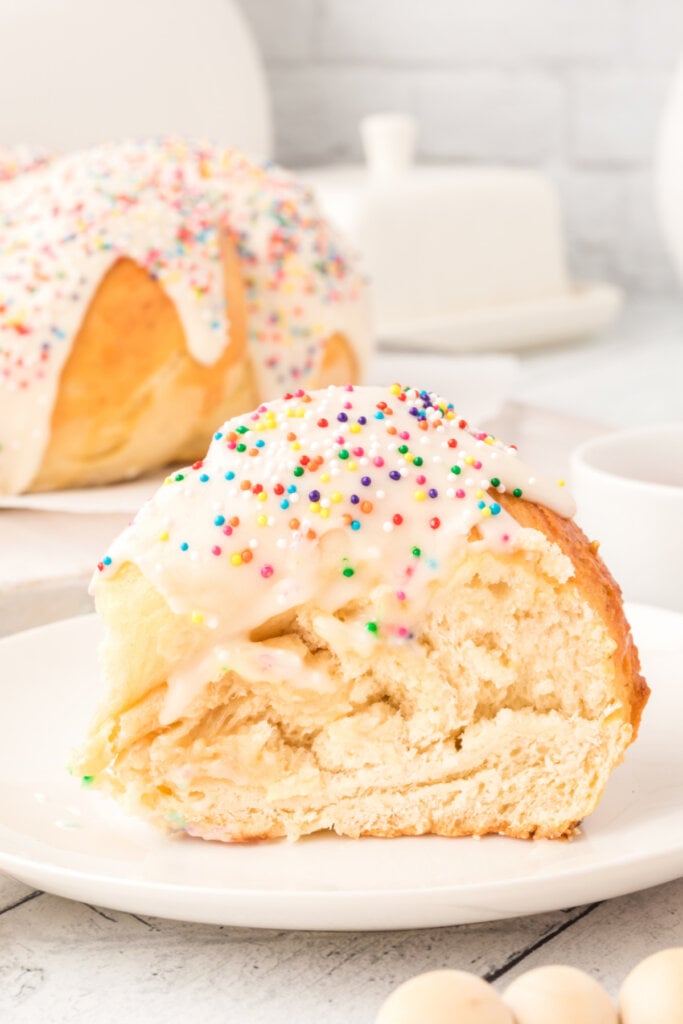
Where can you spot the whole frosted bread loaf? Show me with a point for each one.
(149, 290)
(359, 613)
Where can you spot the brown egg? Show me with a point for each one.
(559, 995)
(444, 997)
(653, 991)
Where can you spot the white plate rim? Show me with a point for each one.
(606, 880)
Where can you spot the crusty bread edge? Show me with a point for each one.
(600, 590)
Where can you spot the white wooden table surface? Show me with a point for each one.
(65, 962)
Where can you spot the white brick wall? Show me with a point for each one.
(614, 116)
(493, 32)
(572, 86)
(489, 115)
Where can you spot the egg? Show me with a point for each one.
(653, 991)
(563, 995)
(444, 997)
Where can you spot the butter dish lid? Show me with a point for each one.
(461, 256)
(443, 239)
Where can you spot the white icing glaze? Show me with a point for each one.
(163, 204)
(334, 495)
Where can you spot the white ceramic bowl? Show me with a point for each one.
(629, 492)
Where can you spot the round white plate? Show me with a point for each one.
(584, 310)
(58, 836)
(108, 499)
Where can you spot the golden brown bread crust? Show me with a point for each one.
(131, 397)
(599, 589)
(339, 364)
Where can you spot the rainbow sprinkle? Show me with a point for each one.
(242, 551)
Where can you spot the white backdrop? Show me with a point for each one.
(574, 87)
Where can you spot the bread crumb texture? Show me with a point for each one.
(506, 712)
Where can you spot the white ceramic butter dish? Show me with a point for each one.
(461, 257)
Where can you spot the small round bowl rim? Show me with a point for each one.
(582, 464)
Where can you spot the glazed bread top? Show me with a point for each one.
(167, 205)
(326, 496)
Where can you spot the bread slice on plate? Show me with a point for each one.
(359, 613)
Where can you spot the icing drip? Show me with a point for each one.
(165, 205)
(326, 497)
